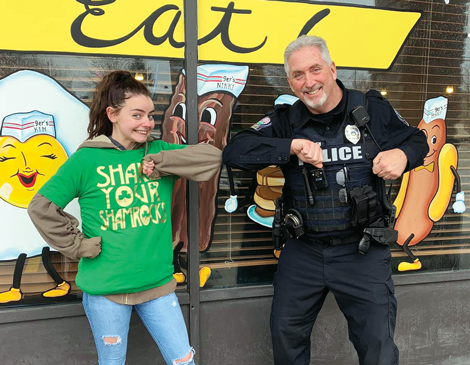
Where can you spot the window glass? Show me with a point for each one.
(237, 247)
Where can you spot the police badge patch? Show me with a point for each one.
(263, 123)
(352, 133)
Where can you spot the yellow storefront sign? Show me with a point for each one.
(237, 31)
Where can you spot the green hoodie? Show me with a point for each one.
(130, 213)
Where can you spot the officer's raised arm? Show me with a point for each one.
(257, 147)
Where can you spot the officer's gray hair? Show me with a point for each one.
(306, 41)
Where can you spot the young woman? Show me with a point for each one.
(125, 250)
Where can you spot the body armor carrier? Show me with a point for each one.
(349, 195)
(344, 193)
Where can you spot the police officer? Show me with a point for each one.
(333, 165)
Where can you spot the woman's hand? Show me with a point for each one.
(148, 167)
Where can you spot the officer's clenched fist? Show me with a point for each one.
(307, 151)
(389, 165)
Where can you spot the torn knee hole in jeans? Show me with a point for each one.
(185, 360)
(111, 340)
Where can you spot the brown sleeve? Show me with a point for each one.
(60, 229)
(198, 162)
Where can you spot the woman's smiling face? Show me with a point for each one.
(134, 121)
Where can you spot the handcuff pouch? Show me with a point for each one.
(294, 223)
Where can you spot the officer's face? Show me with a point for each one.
(313, 81)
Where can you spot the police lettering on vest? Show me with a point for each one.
(343, 154)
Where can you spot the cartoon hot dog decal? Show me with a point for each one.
(425, 192)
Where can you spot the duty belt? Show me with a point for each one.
(334, 241)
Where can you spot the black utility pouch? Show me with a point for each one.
(364, 205)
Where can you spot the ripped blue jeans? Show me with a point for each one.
(162, 317)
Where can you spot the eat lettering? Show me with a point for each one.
(222, 28)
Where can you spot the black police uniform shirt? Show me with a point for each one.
(266, 144)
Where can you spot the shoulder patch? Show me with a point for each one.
(263, 123)
(401, 118)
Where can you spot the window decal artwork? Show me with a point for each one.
(218, 88)
(426, 191)
(41, 125)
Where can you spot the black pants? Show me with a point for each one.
(362, 286)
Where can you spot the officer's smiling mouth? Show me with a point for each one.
(312, 92)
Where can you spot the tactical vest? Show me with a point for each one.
(348, 168)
